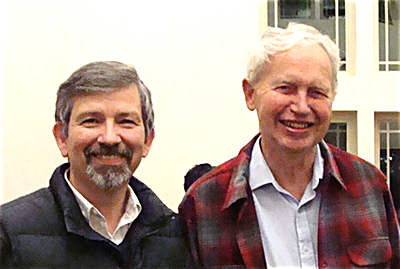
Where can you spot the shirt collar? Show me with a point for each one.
(260, 174)
(132, 209)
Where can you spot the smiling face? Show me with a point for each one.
(106, 138)
(294, 99)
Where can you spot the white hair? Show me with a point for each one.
(276, 40)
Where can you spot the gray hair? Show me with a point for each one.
(102, 77)
(276, 40)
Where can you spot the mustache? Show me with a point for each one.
(113, 150)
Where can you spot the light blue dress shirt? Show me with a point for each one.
(289, 228)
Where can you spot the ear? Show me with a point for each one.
(60, 138)
(249, 94)
(148, 142)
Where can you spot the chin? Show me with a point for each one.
(299, 146)
(109, 177)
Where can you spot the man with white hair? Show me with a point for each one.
(289, 200)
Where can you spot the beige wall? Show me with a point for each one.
(192, 57)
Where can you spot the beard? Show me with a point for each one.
(108, 176)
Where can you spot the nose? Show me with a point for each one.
(109, 134)
(300, 103)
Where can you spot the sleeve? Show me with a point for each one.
(393, 230)
(187, 213)
(5, 248)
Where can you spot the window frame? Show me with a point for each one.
(381, 117)
(350, 118)
(350, 30)
(386, 63)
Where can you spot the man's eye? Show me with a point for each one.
(128, 123)
(285, 89)
(318, 93)
(89, 122)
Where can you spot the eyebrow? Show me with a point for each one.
(87, 114)
(134, 114)
(296, 81)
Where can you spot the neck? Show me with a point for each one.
(293, 171)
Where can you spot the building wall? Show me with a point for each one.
(365, 89)
(191, 55)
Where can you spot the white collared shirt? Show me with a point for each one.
(97, 221)
(289, 228)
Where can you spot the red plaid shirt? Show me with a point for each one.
(357, 224)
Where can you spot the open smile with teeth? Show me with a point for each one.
(296, 125)
(110, 159)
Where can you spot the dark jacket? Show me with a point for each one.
(46, 229)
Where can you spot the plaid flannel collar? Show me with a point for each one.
(239, 186)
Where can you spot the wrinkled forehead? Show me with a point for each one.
(305, 61)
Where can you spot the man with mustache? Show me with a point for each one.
(289, 200)
(95, 214)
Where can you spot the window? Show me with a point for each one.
(336, 135)
(291, 9)
(329, 8)
(389, 151)
(342, 132)
(389, 35)
(328, 16)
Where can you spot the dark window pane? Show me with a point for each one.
(382, 11)
(394, 125)
(382, 34)
(330, 138)
(394, 67)
(383, 161)
(329, 9)
(342, 38)
(394, 43)
(395, 176)
(382, 40)
(342, 8)
(271, 13)
(394, 140)
(382, 126)
(284, 23)
(382, 139)
(342, 141)
(382, 67)
(342, 126)
(292, 9)
(394, 31)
